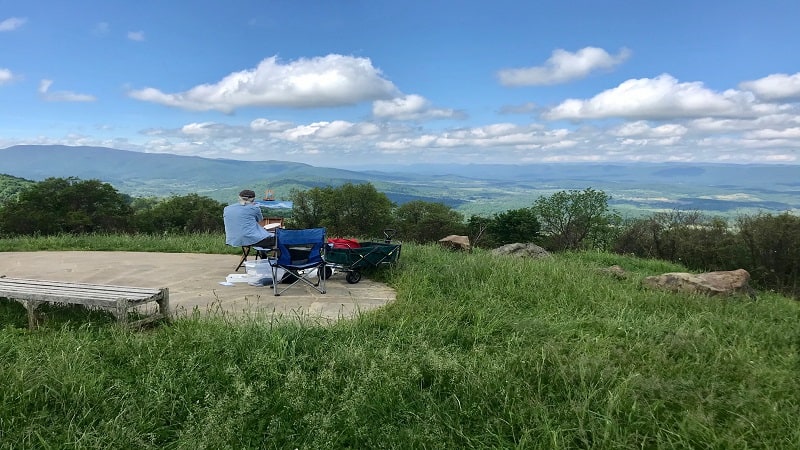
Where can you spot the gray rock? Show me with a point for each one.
(522, 250)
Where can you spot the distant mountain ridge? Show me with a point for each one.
(474, 188)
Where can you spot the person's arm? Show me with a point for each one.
(259, 217)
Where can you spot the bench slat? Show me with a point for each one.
(26, 283)
(111, 297)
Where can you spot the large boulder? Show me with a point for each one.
(522, 250)
(710, 283)
(455, 242)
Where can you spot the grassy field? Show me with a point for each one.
(477, 352)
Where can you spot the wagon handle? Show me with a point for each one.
(389, 233)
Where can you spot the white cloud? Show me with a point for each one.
(643, 129)
(410, 107)
(724, 126)
(61, 96)
(779, 86)
(662, 97)
(269, 125)
(198, 129)
(332, 80)
(495, 135)
(562, 67)
(788, 133)
(338, 129)
(5, 76)
(12, 23)
(137, 36)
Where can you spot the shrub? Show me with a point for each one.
(773, 250)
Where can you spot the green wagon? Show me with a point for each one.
(353, 259)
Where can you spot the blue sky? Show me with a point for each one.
(355, 83)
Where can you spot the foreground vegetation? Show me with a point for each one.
(477, 352)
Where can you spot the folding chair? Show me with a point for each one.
(299, 251)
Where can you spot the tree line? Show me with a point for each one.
(767, 245)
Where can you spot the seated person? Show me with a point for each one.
(244, 223)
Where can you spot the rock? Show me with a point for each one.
(710, 283)
(455, 242)
(615, 271)
(522, 250)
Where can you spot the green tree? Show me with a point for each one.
(773, 249)
(181, 214)
(422, 221)
(516, 225)
(348, 210)
(10, 187)
(576, 219)
(687, 237)
(66, 205)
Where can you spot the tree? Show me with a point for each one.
(361, 210)
(687, 237)
(422, 221)
(516, 225)
(10, 187)
(66, 205)
(181, 214)
(575, 219)
(477, 227)
(347, 210)
(773, 248)
(309, 207)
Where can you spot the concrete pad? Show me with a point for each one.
(194, 283)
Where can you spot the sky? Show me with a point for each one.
(361, 83)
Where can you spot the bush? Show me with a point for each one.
(773, 250)
(66, 205)
(516, 225)
(689, 238)
(181, 214)
(767, 246)
(421, 221)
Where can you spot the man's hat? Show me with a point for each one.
(247, 193)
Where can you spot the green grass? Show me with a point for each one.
(477, 352)
(166, 243)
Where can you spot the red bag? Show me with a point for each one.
(344, 243)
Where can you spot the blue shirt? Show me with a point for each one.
(241, 225)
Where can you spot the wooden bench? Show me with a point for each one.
(116, 299)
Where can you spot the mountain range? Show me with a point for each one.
(722, 189)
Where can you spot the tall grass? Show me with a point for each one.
(476, 352)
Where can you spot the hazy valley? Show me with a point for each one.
(717, 189)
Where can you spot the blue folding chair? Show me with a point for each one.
(299, 253)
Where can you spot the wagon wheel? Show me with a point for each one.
(327, 272)
(353, 277)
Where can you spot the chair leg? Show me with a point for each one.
(302, 279)
(245, 253)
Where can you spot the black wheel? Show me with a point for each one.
(327, 272)
(353, 277)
